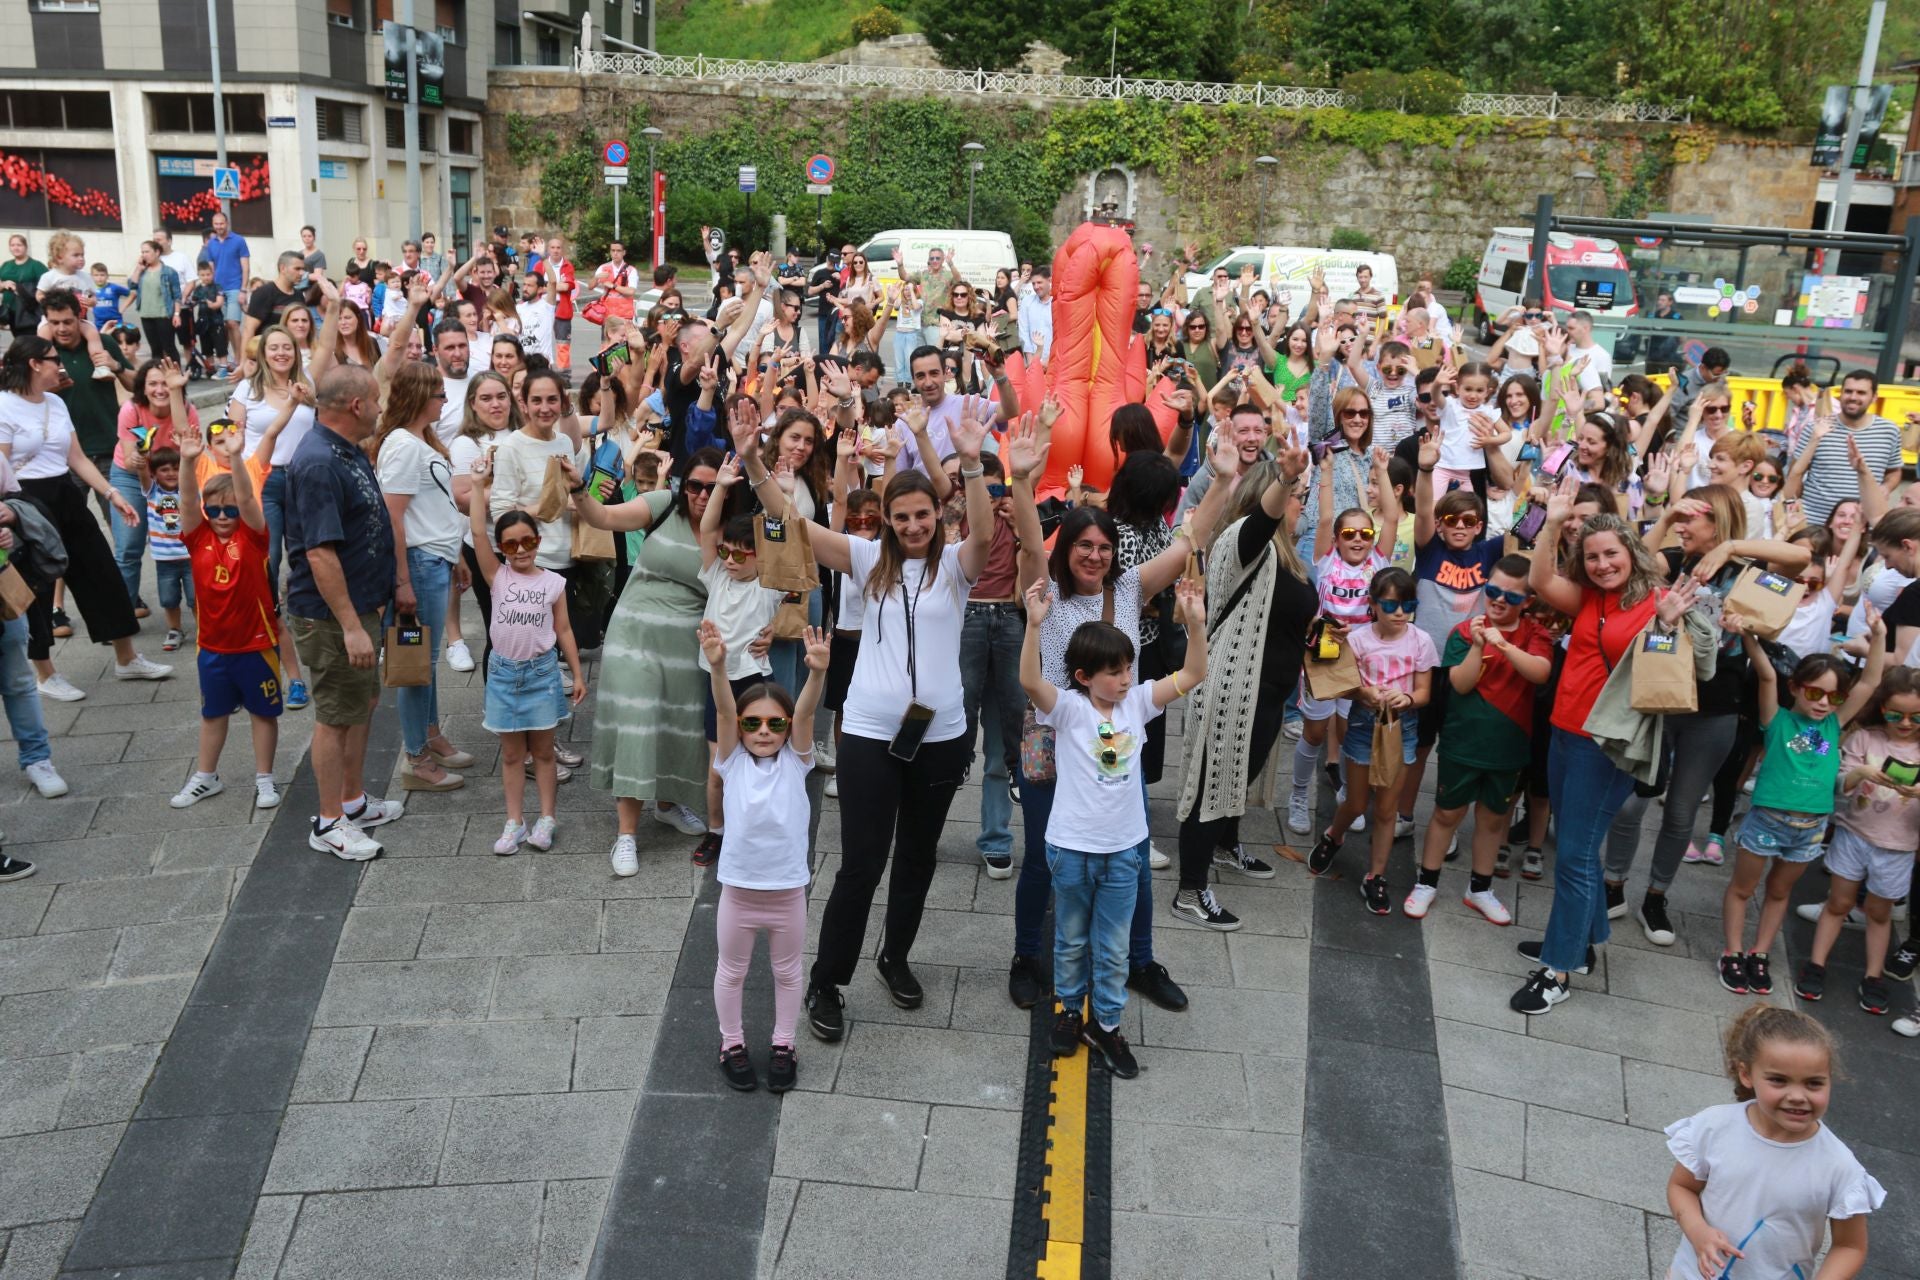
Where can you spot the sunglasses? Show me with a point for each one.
(1358, 535)
(1822, 697)
(1197, 327)
(1496, 594)
(1898, 717)
(697, 486)
(862, 522)
(751, 724)
(1424, 397)
(1717, 408)
(222, 513)
(738, 555)
(1108, 755)
(220, 426)
(513, 546)
(1460, 521)
(1398, 606)
(1765, 479)
(1356, 413)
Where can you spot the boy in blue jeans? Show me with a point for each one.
(172, 570)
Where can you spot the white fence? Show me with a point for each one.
(1530, 106)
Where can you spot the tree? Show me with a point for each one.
(967, 35)
(1151, 39)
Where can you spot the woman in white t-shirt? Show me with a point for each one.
(416, 477)
(491, 415)
(520, 473)
(904, 747)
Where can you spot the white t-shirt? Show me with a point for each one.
(454, 412)
(1096, 804)
(519, 471)
(853, 605)
(536, 326)
(1771, 1199)
(37, 435)
(1343, 586)
(766, 813)
(409, 465)
(1599, 370)
(260, 413)
(740, 610)
(1812, 625)
(880, 691)
(1458, 452)
(461, 454)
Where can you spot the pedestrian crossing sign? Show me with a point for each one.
(226, 184)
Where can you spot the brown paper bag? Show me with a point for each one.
(409, 655)
(553, 494)
(790, 619)
(590, 543)
(16, 597)
(1388, 763)
(784, 551)
(1663, 678)
(1194, 573)
(1766, 600)
(1329, 678)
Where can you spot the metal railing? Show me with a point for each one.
(1532, 106)
(1909, 175)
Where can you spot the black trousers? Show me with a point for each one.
(886, 804)
(482, 596)
(94, 585)
(1199, 839)
(159, 334)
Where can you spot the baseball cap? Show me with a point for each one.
(500, 230)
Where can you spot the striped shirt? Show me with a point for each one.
(163, 524)
(1831, 479)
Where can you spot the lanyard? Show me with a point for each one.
(910, 604)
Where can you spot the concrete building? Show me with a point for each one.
(107, 125)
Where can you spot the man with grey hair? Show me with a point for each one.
(340, 576)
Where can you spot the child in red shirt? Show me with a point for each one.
(225, 533)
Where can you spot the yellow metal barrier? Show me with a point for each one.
(1770, 412)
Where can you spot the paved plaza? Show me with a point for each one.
(222, 1055)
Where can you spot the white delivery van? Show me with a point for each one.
(1587, 273)
(1285, 272)
(977, 254)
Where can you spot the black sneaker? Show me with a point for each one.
(737, 1067)
(1616, 899)
(783, 1069)
(707, 852)
(1013, 789)
(1733, 973)
(1654, 921)
(62, 624)
(1111, 1048)
(1905, 957)
(1531, 950)
(1066, 1033)
(899, 982)
(1239, 861)
(1335, 778)
(1874, 996)
(1023, 982)
(1812, 982)
(1322, 856)
(1541, 993)
(1373, 890)
(14, 868)
(826, 1012)
(1759, 976)
(1503, 863)
(1201, 907)
(1156, 984)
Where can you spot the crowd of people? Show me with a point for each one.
(811, 550)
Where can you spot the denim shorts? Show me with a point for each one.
(1887, 873)
(1357, 746)
(524, 695)
(1777, 833)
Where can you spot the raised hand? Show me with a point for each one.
(1293, 462)
(1429, 450)
(1675, 603)
(783, 476)
(728, 474)
(969, 433)
(187, 438)
(818, 648)
(743, 425)
(1075, 474)
(1049, 413)
(708, 374)
(1223, 455)
(1191, 595)
(1025, 452)
(1039, 601)
(712, 645)
(1561, 501)
(176, 376)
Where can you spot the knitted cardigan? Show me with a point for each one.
(1220, 727)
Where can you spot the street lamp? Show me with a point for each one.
(974, 165)
(653, 136)
(1266, 164)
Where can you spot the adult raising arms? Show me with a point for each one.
(904, 749)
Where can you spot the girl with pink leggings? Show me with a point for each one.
(763, 753)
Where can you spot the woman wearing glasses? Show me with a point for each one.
(1196, 344)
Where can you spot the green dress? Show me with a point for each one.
(649, 739)
(25, 276)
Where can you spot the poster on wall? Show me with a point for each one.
(47, 188)
(184, 185)
(1832, 302)
(430, 65)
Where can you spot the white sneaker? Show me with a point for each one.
(142, 668)
(566, 680)
(680, 818)
(102, 374)
(46, 779)
(344, 841)
(265, 794)
(541, 837)
(1402, 828)
(1420, 900)
(1156, 860)
(1908, 1026)
(1299, 812)
(1292, 729)
(1489, 906)
(510, 837)
(459, 657)
(377, 813)
(60, 689)
(1811, 912)
(626, 858)
(833, 787)
(823, 758)
(1359, 823)
(196, 790)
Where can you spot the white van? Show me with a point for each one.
(1285, 271)
(1583, 272)
(976, 254)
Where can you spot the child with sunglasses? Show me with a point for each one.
(224, 531)
(525, 703)
(1793, 791)
(1097, 831)
(764, 750)
(1876, 827)
(743, 611)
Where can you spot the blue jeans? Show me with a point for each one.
(129, 544)
(905, 340)
(21, 692)
(788, 657)
(420, 704)
(1094, 895)
(174, 580)
(826, 323)
(1035, 885)
(1587, 791)
(990, 640)
(273, 503)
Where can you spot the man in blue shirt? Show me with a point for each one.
(232, 264)
(1036, 316)
(340, 577)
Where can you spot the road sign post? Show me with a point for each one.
(749, 179)
(820, 185)
(615, 155)
(226, 184)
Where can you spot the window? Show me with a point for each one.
(77, 190)
(193, 112)
(341, 121)
(506, 45)
(340, 13)
(446, 15)
(54, 109)
(66, 6)
(460, 137)
(183, 181)
(397, 129)
(549, 41)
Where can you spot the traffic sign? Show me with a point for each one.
(819, 188)
(614, 170)
(716, 241)
(820, 169)
(616, 177)
(226, 184)
(615, 153)
(749, 178)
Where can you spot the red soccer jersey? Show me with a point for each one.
(234, 603)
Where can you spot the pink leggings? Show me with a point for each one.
(744, 913)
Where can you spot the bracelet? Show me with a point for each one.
(578, 488)
(974, 474)
(1178, 692)
(1426, 471)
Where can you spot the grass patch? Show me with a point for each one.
(776, 30)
